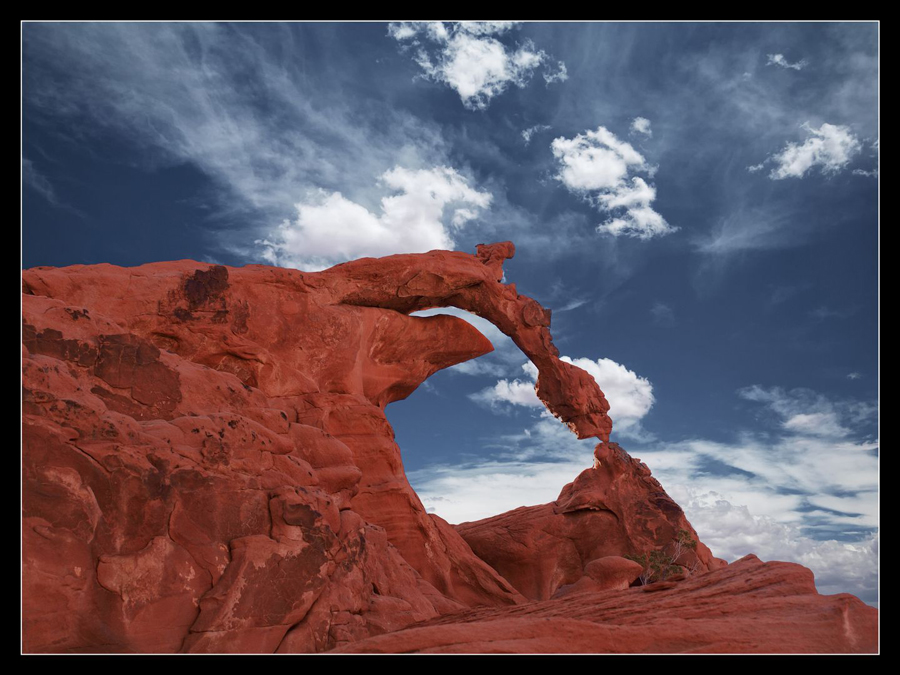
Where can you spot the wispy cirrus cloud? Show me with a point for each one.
(662, 314)
(37, 181)
(279, 155)
(599, 167)
(34, 179)
(561, 74)
(783, 293)
(529, 133)
(470, 58)
(752, 229)
(574, 303)
(780, 60)
(824, 312)
(807, 413)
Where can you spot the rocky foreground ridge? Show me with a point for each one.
(207, 468)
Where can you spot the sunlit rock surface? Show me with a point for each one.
(207, 467)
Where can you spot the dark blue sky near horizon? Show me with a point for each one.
(729, 308)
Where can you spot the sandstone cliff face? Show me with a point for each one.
(207, 465)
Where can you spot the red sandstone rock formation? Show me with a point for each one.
(746, 607)
(207, 465)
(613, 509)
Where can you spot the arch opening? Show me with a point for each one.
(470, 455)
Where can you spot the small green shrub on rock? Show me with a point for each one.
(658, 565)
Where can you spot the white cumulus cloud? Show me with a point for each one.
(512, 391)
(421, 214)
(830, 147)
(469, 58)
(641, 125)
(732, 531)
(599, 167)
(630, 396)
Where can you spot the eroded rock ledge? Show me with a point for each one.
(207, 465)
(747, 607)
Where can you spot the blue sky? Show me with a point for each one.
(697, 203)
